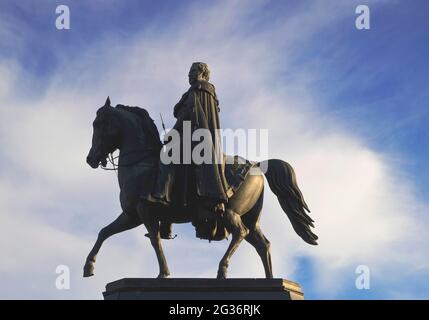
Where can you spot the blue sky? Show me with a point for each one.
(385, 70)
(356, 99)
(392, 58)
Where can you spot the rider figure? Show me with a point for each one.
(199, 105)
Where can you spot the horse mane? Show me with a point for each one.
(147, 123)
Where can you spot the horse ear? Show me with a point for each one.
(107, 103)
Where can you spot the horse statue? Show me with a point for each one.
(133, 132)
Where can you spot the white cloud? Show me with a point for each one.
(365, 209)
(8, 71)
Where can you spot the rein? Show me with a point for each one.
(115, 166)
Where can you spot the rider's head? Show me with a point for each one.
(199, 71)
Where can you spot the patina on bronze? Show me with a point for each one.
(133, 132)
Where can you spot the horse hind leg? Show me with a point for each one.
(257, 239)
(122, 223)
(239, 232)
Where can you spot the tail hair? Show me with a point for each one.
(282, 181)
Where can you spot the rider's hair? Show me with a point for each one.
(204, 69)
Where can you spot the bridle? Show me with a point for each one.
(111, 159)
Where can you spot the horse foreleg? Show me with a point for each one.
(239, 231)
(152, 226)
(122, 223)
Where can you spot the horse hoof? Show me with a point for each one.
(163, 275)
(88, 269)
(221, 275)
(221, 272)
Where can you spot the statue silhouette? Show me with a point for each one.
(133, 132)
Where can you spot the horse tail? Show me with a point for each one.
(282, 181)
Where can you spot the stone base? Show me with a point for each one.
(202, 289)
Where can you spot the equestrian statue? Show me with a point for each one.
(221, 196)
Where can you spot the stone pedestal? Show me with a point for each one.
(202, 289)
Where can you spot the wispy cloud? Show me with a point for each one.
(365, 208)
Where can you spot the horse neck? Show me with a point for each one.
(136, 153)
(133, 148)
(131, 153)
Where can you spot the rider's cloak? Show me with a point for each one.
(178, 184)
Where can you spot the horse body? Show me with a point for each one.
(133, 133)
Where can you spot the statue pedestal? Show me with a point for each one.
(202, 289)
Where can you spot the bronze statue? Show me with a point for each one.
(133, 132)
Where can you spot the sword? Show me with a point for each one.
(163, 125)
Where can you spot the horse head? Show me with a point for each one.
(115, 126)
(105, 137)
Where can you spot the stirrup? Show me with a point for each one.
(170, 236)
